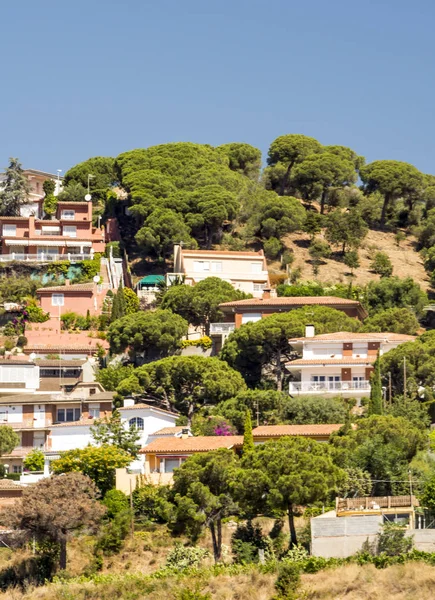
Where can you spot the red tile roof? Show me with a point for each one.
(331, 361)
(259, 254)
(302, 430)
(293, 301)
(82, 423)
(149, 406)
(170, 430)
(73, 287)
(355, 337)
(201, 443)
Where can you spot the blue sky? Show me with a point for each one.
(85, 78)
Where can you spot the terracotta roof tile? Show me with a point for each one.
(74, 287)
(234, 253)
(302, 430)
(331, 361)
(82, 423)
(188, 445)
(365, 337)
(45, 363)
(293, 301)
(170, 430)
(8, 484)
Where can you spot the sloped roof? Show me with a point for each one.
(8, 484)
(293, 301)
(170, 430)
(355, 337)
(300, 430)
(201, 443)
(332, 361)
(148, 406)
(235, 253)
(74, 287)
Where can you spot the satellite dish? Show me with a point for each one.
(88, 197)
(96, 279)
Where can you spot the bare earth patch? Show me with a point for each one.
(405, 259)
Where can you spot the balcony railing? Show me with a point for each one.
(43, 257)
(328, 386)
(44, 233)
(222, 328)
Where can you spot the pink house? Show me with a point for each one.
(78, 297)
(69, 236)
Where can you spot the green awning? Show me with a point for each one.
(151, 280)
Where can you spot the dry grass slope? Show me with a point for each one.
(406, 261)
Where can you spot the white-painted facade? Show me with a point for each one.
(246, 271)
(148, 420)
(339, 363)
(16, 377)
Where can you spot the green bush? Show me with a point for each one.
(288, 580)
(182, 557)
(22, 341)
(115, 502)
(203, 342)
(150, 502)
(112, 535)
(246, 541)
(272, 248)
(34, 461)
(116, 249)
(382, 265)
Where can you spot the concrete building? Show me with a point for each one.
(70, 235)
(338, 363)
(246, 271)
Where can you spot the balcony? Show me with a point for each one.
(329, 387)
(222, 328)
(43, 257)
(44, 233)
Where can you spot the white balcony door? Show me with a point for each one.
(39, 415)
(47, 251)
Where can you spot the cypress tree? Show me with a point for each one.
(114, 313)
(376, 400)
(248, 438)
(122, 303)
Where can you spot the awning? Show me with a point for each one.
(79, 243)
(17, 242)
(152, 280)
(47, 243)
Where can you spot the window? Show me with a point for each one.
(171, 464)
(10, 230)
(200, 266)
(70, 231)
(250, 318)
(68, 415)
(94, 411)
(259, 287)
(57, 299)
(256, 267)
(68, 214)
(17, 469)
(137, 422)
(216, 266)
(358, 382)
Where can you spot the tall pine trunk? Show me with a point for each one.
(216, 539)
(62, 555)
(323, 200)
(285, 179)
(384, 208)
(278, 372)
(291, 524)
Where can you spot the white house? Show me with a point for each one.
(338, 363)
(246, 271)
(17, 376)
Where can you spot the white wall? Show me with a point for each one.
(16, 373)
(70, 438)
(11, 414)
(319, 349)
(153, 421)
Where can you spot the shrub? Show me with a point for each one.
(246, 541)
(9, 344)
(288, 580)
(116, 502)
(150, 502)
(381, 264)
(203, 342)
(34, 461)
(112, 535)
(392, 540)
(296, 554)
(22, 341)
(116, 249)
(35, 314)
(182, 557)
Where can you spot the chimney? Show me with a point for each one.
(185, 433)
(309, 331)
(266, 294)
(128, 401)
(67, 282)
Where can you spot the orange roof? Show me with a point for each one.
(201, 443)
(294, 301)
(73, 287)
(170, 430)
(354, 337)
(331, 361)
(87, 423)
(302, 430)
(259, 254)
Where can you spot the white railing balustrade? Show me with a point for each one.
(328, 386)
(222, 328)
(43, 257)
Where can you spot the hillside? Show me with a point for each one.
(406, 260)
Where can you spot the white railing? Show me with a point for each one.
(225, 275)
(222, 328)
(328, 386)
(44, 233)
(43, 257)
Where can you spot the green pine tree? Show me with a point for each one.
(248, 438)
(15, 189)
(376, 401)
(114, 313)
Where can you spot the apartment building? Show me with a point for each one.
(246, 271)
(70, 235)
(338, 363)
(43, 421)
(18, 376)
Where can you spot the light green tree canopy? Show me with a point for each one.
(346, 229)
(8, 439)
(395, 320)
(244, 159)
